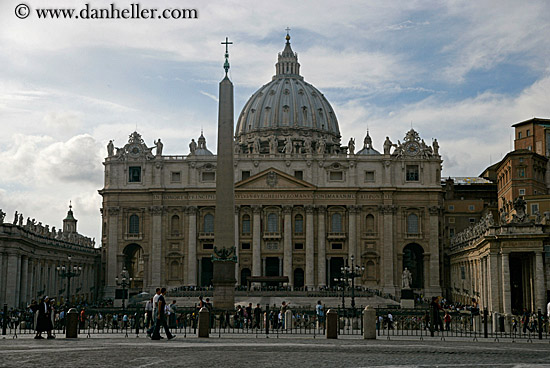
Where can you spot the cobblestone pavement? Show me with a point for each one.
(285, 351)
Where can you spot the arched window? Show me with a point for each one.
(175, 225)
(412, 224)
(208, 223)
(371, 271)
(246, 224)
(370, 223)
(133, 227)
(336, 223)
(298, 224)
(272, 223)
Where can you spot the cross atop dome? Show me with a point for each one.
(287, 64)
(287, 35)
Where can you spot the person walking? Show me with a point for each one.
(44, 320)
(154, 313)
(149, 313)
(161, 318)
(257, 316)
(320, 314)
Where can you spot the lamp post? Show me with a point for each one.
(69, 272)
(124, 282)
(350, 273)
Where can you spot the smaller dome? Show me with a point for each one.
(201, 149)
(367, 147)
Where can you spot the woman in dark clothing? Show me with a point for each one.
(44, 320)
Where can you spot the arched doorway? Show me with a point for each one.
(245, 274)
(413, 259)
(133, 261)
(299, 278)
(207, 271)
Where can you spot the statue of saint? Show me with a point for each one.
(192, 146)
(160, 146)
(110, 148)
(16, 217)
(351, 146)
(273, 144)
(20, 219)
(256, 145)
(2, 216)
(307, 145)
(435, 145)
(321, 146)
(406, 280)
(288, 146)
(387, 146)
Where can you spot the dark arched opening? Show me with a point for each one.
(413, 259)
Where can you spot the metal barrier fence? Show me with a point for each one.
(272, 322)
(418, 323)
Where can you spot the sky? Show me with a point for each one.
(459, 71)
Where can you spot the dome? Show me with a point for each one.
(367, 147)
(288, 105)
(201, 149)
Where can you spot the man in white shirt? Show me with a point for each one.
(148, 313)
(155, 302)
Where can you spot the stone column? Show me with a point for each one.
(310, 251)
(435, 285)
(388, 283)
(263, 266)
(24, 279)
(237, 245)
(287, 246)
(256, 241)
(3, 278)
(157, 263)
(506, 290)
(112, 251)
(352, 233)
(192, 246)
(321, 247)
(494, 283)
(11, 282)
(540, 290)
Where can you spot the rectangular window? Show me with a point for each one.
(471, 207)
(462, 273)
(412, 173)
(369, 176)
(208, 176)
(522, 192)
(336, 246)
(451, 207)
(451, 220)
(299, 174)
(521, 172)
(472, 220)
(272, 246)
(451, 232)
(245, 174)
(176, 177)
(528, 133)
(134, 174)
(519, 135)
(336, 176)
(298, 246)
(208, 246)
(534, 208)
(245, 246)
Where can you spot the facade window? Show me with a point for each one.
(337, 246)
(451, 232)
(175, 225)
(208, 176)
(528, 133)
(451, 207)
(369, 176)
(412, 224)
(245, 246)
(336, 176)
(412, 173)
(534, 208)
(298, 246)
(519, 135)
(472, 220)
(451, 220)
(208, 246)
(208, 223)
(522, 192)
(471, 207)
(521, 172)
(246, 224)
(175, 270)
(133, 227)
(272, 223)
(336, 223)
(134, 174)
(369, 222)
(370, 269)
(530, 148)
(299, 174)
(245, 174)
(298, 224)
(176, 177)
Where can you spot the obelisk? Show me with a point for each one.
(224, 225)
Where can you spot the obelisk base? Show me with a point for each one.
(224, 285)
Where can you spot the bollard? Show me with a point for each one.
(485, 320)
(539, 321)
(332, 324)
(71, 329)
(267, 320)
(495, 322)
(369, 323)
(288, 320)
(204, 322)
(5, 322)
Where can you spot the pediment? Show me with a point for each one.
(273, 179)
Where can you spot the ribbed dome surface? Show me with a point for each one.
(288, 103)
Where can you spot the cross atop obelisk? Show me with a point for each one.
(226, 64)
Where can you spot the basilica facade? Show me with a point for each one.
(306, 205)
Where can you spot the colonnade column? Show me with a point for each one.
(494, 304)
(387, 212)
(11, 282)
(310, 251)
(435, 285)
(287, 246)
(256, 241)
(321, 250)
(506, 291)
(157, 263)
(237, 245)
(192, 246)
(24, 279)
(112, 250)
(352, 233)
(539, 282)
